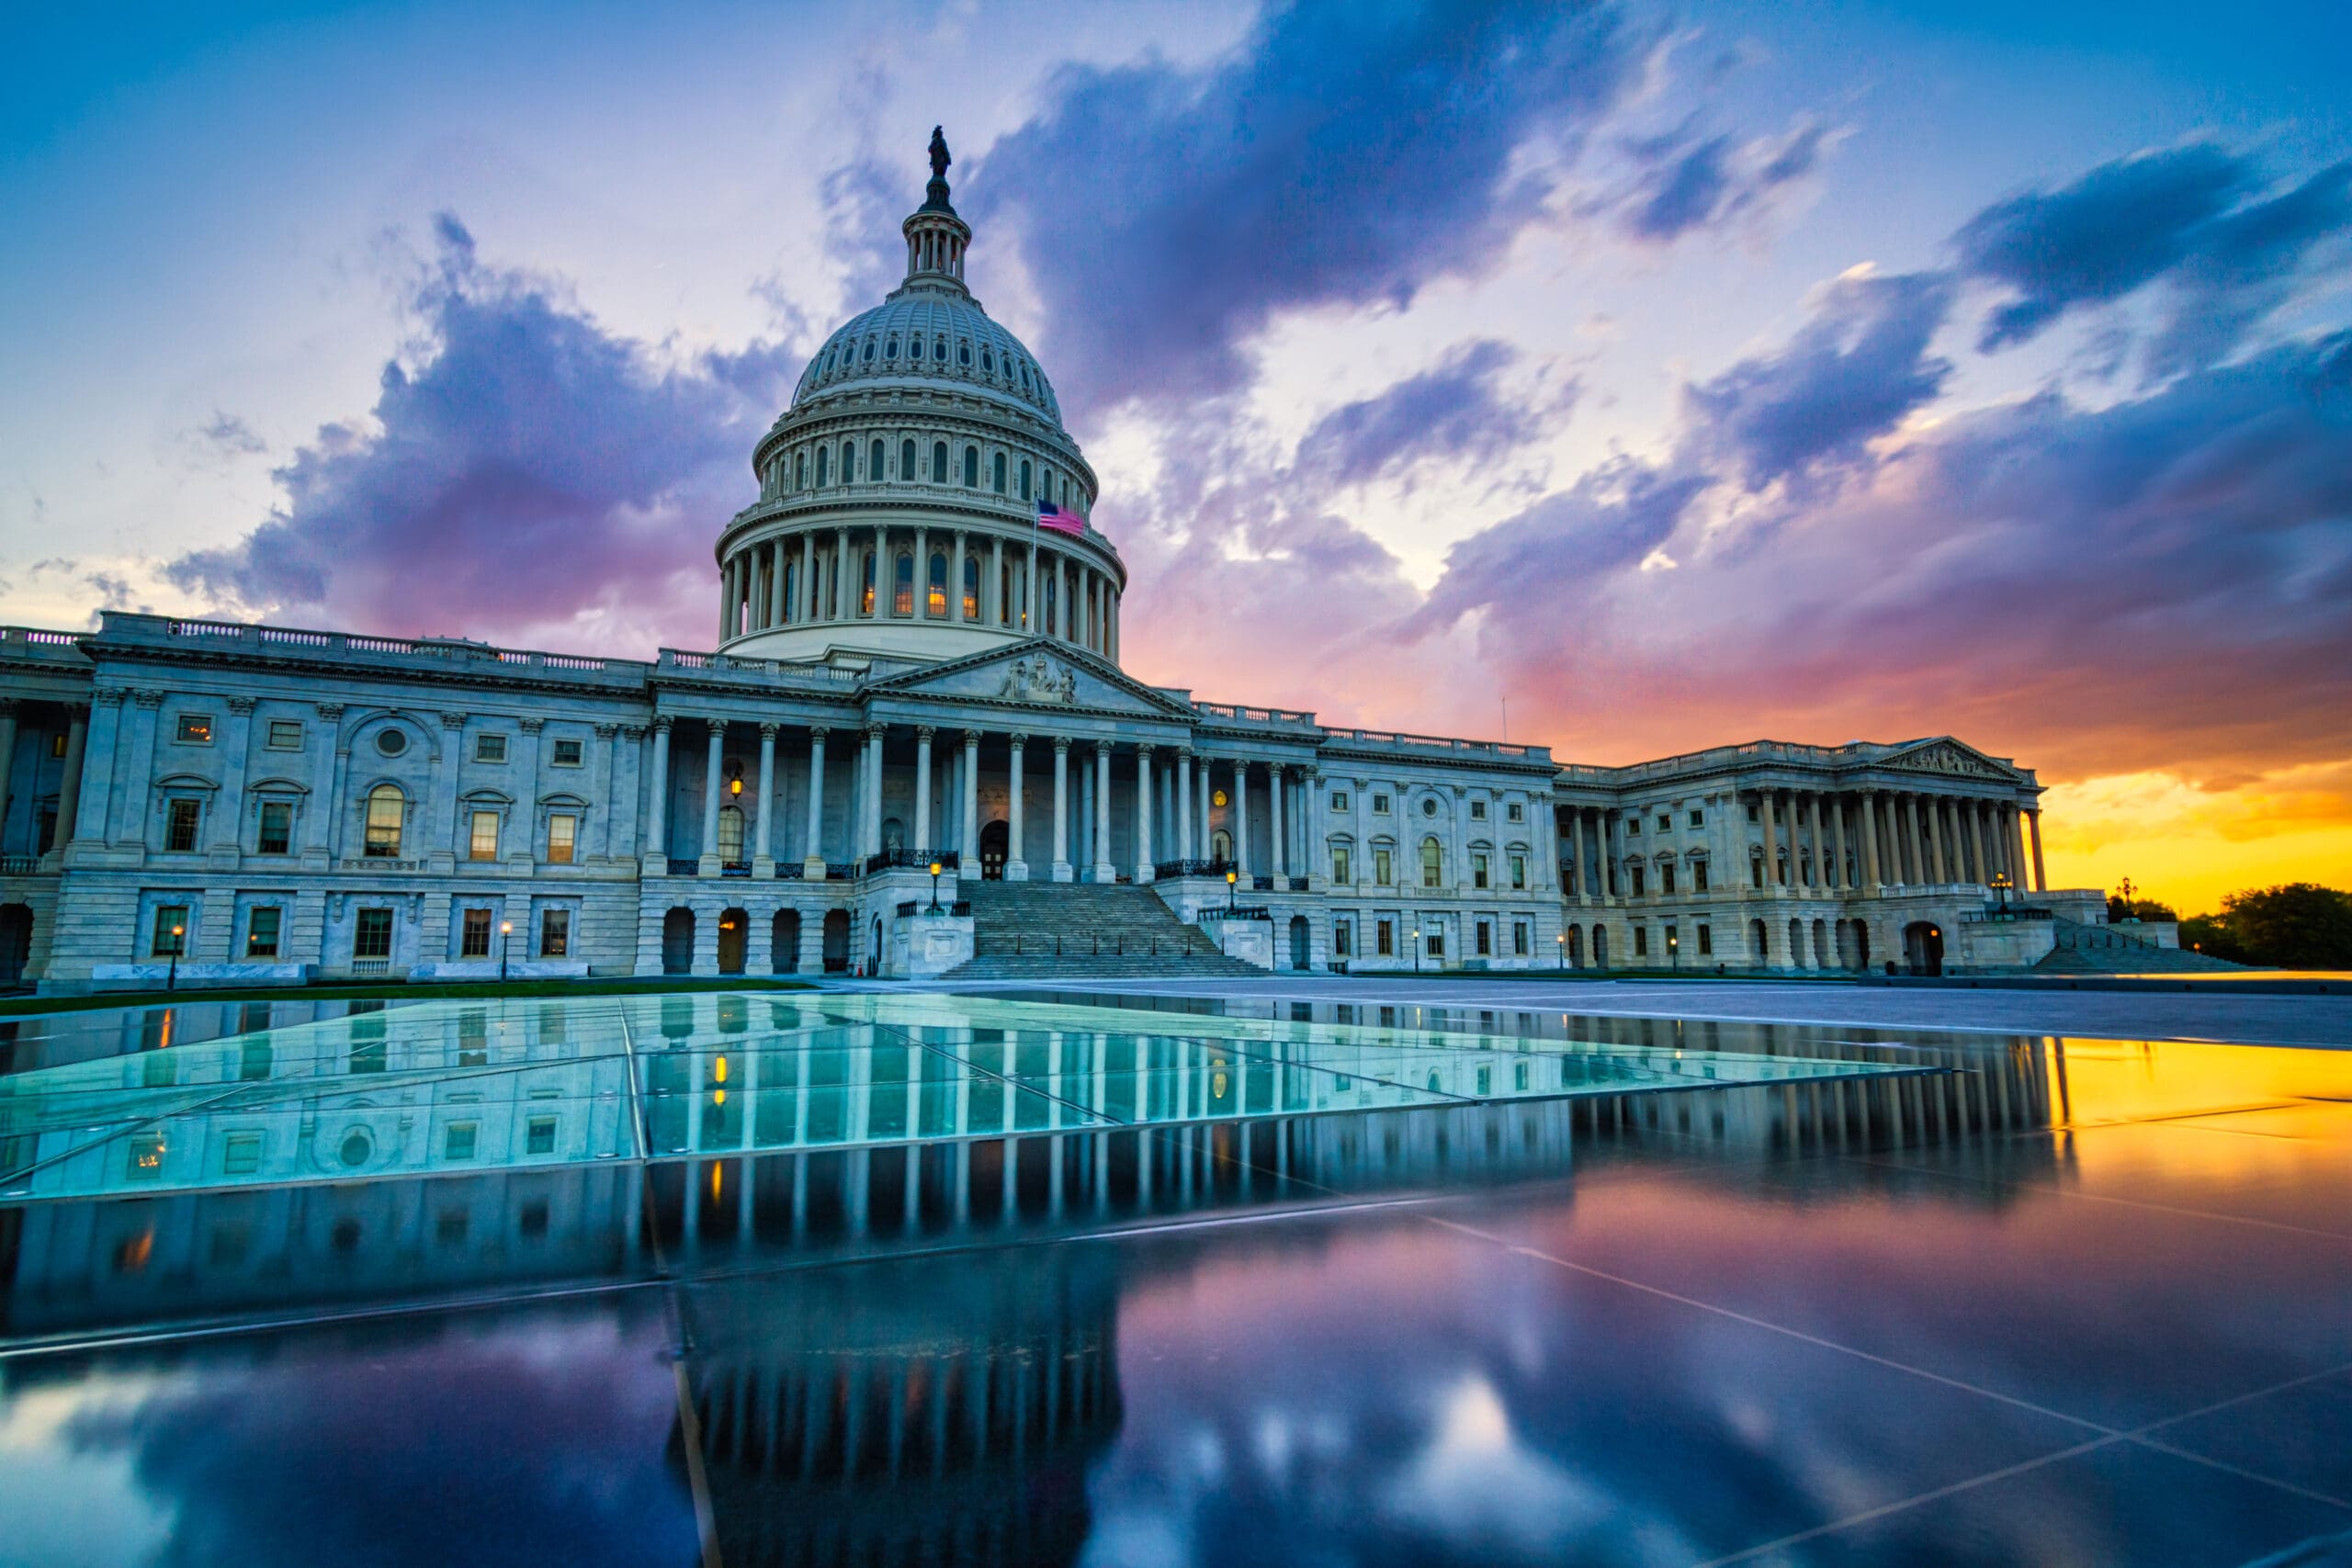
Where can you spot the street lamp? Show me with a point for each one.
(171, 976)
(935, 869)
(1674, 949)
(1563, 939)
(1230, 878)
(2001, 886)
(1414, 936)
(505, 935)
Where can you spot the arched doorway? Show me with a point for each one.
(1298, 941)
(894, 836)
(1861, 945)
(993, 841)
(873, 948)
(1759, 948)
(15, 942)
(1221, 845)
(836, 940)
(1821, 944)
(1576, 946)
(1600, 947)
(1923, 948)
(784, 942)
(1796, 944)
(678, 943)
(734, 938)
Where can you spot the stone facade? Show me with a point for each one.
(918, 660)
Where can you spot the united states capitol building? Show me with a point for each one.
(917, 662)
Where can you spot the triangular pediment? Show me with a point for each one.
(1048, 676)
(1950, 758)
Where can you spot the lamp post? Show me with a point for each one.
(935, 869)
(1230, 878)
(172, 975)
(505, 936)
(2000, 885)
(1414, 936)
(1563, 941)
(1674, 949)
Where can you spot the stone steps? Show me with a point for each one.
(1075, 930)
(2098, 949)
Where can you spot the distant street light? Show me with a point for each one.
(1231, 877)
(1563, 939)
(935, 869)
(1674, 949)
(1415, 938)
(171, 976)
(505, 936)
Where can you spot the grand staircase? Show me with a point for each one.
(2104, 950)
(1082, 930)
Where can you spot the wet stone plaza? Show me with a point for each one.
(876, 1276)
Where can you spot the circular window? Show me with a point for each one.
(1429, 807)
(391, 743)
(357, 1146)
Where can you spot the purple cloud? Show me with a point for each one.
(1452, 411)
(1689, 185)
(1345, 155)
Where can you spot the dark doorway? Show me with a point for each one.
(993, 839)
(678, 943)
(836, 942)
(15, 942)
(734, 936)
(1298, 941)
(785, 944)
(1600, 947)
(1923, 948)
(874, 949)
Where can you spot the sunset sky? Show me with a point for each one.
(1676, 377)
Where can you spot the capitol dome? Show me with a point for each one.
(919, 499)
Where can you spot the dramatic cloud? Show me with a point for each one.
(2173, 213)
(1855, 369)
(545, 477)
(1455, 410)
(1689, 182)
(1346, 155)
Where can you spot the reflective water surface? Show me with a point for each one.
(835, 1278)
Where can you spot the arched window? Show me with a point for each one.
(997, 474)
(971, 468)
(987, 363)
(873, 470)
(971, 588)
(964, 353)
(906, 460)
(1024, 479)
(939, 462)
(791, 585)
(869, 351)
(902, 585)
(891, 350)
(822, 454)
(1221, 845)
(934, 598)
(801, 472)
(866, 597)
(849, 461)
(914, 348)
(1433, 863)
(730, 833)
(386, 807)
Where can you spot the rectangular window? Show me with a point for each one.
(1517, 812)
(563, 830)
(1339, 867)
(171, 930)
(1698, 877)
(1477, 811)
(1339, 800)
(1641, 942)
(1665, 878)
(489, 747)
(241, 1154)
(483, 842)
(1698, 819)
(1633, 826)
(540, 1136)
(276, 834)
(262, 922)
(555, 933)
(473, 940)
(1756, 872)
(285, 735)
(1386, 937)
(195, 729)
(1380, 804)
(371, 934)
(567, 755)
(1486, 935)
(458, 1142)
(1706, 941)
(1478, 869)
(1520, 938)
(1752, 815)
(1665, 823)
(179, 824)
(1437, 944)
(473, 1038)
(1518, 872)
(1343, 938)
(1635, 873)
(1381, 866)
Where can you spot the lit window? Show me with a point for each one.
(171, 930)
(286, 735)
(261, 930)
(902, 589)
(473, 940)
(730, 833)
(555, 933)
(482, 843)
(371, 935)
(563, 831)
(276, 834)
(386, 807)
(179, 825)
(971, 587)
(568, 754)
(935, 590)
(491, 748)
(866, 594)
(195, 729)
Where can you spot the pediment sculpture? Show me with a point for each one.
(1038, 678)
(1950, 758)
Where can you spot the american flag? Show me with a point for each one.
(1052, 516)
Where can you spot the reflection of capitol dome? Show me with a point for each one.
(899, 494)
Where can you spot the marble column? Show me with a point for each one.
(1104, 871)
(992, 591)
(871, 826)
(812, 850)
(1016, 868)
(657, 822)
(1184, 804)
(922, 845)
(1143, 803)
(1936, 862)
(1838, 876)
(843, 588)
(763, 857)
(1771, 841)
(1607, 825)
(1278, 851)
(8, 707)
(1869, 840)
(804, 592)
(1241, 817)
(707, 866)
(955, 579)
(1576, 850)
(1062, 869)
(69, 788)
(1201, 805)
(2033, 826)
(967, 838)
(1820, 877)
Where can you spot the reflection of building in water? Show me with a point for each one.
(951, 1419)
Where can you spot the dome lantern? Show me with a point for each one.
(936, 238)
